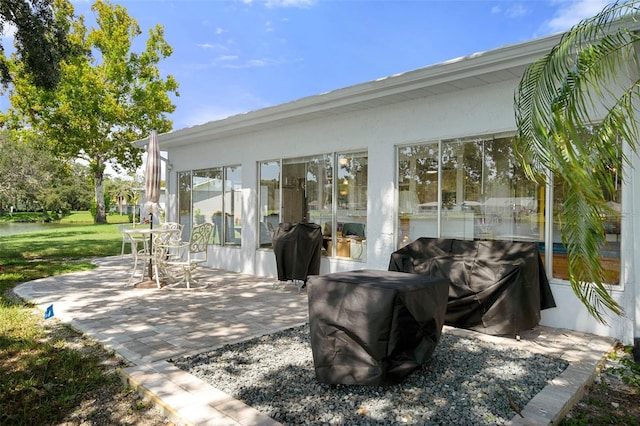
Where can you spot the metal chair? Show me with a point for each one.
(129, 238)
(195, 252)
(139, 249)
(174, 226)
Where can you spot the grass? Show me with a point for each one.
(76, 217)
(87, 218)
(41, 378)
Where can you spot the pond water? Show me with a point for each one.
(22, 228)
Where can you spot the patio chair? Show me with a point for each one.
(174, 226)
(154, 250)
(175, 240)
(129, 238)
(139, 250)
(195, 252)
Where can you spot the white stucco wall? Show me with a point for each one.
(485, 110)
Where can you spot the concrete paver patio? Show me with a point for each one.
(149, 326)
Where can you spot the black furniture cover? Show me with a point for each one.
(497, 287)
(297, 247)
(373, 327)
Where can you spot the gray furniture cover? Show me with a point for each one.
(373, 327)
(497, 287)
(297, 247)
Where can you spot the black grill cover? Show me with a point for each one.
(373, 327)
(297, 247)
(497, 287)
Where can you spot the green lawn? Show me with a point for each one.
(41, 378)
(77, 217)
(87, 218)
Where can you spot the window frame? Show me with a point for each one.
(547, 229)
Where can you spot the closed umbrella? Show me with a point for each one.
(152, 185)
(152, 177)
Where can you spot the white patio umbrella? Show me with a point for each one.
(152, 177)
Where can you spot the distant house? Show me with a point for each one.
(428, 153)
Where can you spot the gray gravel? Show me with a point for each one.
(466, 382)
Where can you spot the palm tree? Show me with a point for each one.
(575, 112)
(119, 190)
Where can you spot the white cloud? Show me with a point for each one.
(571, 12)
(213, 46)
(7, 38)
(227, 58)
(245, 102)
(220, 31)
(235, 62)
(208, 113)
(268, 26)
(251, 63)
(516, 11)
(8, 31)
(289, 3)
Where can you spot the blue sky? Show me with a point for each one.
(234, 56)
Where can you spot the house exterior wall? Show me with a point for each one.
(484, 110)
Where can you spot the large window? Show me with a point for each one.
(232, 205)
(184, 203)
(485, 193)
(611, 249)
(269, 200)
(418, 167)
(351, 218)
(304, 189)
(475, 189)
(212, 195)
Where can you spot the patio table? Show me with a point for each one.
(155, 249)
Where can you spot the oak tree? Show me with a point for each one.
(39, 39)
(108, 95)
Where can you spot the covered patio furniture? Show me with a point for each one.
(298, 248)
(372, 327)
(191, 254)
(497, 287)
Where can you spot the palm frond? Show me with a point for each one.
(575, 113)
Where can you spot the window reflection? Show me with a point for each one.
(233, 205)
(308, 188)
(212, 195)
(610, 251)
(475, 189)
(351, 237)
(485, 193)
(269, 201)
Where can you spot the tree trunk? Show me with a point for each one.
(98, 182)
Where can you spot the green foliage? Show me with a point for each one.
(27, 170)
(108, 96)
(31, 176)
(583, 81)
(40, 40)
(41, 379)
(628, 371)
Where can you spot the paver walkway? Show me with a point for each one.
(149, 326)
